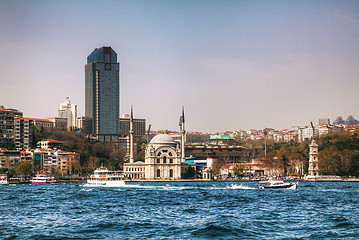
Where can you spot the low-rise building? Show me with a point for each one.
(42, 123)
(67, 162)
(59, 122)
(45, 159)
(49, 144)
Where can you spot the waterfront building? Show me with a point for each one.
(24, 128)
(67, 162)
(229, 154)
(68, 111)
(102, 102)
(45, 159)
(7, 132)
(164, 157)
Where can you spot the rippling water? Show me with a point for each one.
(190, 210)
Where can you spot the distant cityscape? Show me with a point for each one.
(102, 123)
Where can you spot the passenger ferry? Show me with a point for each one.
(105, 178)
(3, 179)
(42, 178)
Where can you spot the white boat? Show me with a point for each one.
(42, 178)
(279, 185)
(3, 179)
(105, 178)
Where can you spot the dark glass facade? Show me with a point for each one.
(102, 103)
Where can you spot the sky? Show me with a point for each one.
(232, 64)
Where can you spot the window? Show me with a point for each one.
(171, 160)
(158, 173)
(158, 160)
(171, 172)
(164, 159)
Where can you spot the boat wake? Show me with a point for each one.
(240, 186)
(172, 188)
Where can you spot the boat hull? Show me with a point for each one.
(119, 183)
(284, 186)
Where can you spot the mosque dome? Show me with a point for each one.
(162, 139)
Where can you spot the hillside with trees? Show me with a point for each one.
(338, 154)
(92, 154)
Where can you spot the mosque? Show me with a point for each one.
(164, 157)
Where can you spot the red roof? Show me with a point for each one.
(49, 140)
(37, 119)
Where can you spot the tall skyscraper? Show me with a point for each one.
(102, 103)
(68, 111)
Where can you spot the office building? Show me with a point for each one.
(68, 111)
(139, 126)
(102, 104)
(84, 124)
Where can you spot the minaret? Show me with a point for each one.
(313, 169)
(183, 136)
(131, 137)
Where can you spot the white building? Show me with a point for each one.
(306, 133)
(68, 111)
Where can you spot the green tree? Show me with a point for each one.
(24, 168)
(237, 169)
(190, 173)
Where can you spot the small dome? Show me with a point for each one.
(162, 139)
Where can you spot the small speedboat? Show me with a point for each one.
(279, 184)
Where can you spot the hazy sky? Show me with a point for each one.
(232, 64)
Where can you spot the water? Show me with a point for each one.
(190, 210)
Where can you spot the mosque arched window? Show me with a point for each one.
(164, 159)
(158, 173)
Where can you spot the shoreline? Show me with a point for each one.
(200, 180)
